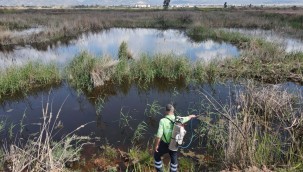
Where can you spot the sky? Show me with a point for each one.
(151, 2)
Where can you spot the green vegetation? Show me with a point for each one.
(78, 71)
(144, 70)
(153, 109)
(124, 119)
(139, 132)
(27, 78)
(186, 164)
(199, 33)
(123, 51)
(141, 160)
(85, 72)
(259, 60)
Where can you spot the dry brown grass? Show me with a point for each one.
(68, 23)
(261, 127)
(103, 71)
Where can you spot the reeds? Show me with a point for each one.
(123, 51)
(153, 109)
(86, 72)
(160, 66)
(260, 60)
(40, 152)
(28, 77)
(139, 132)
(79, 69)
(260, 126)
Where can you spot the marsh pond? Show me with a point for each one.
(125, 114)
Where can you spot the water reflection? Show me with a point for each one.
(130, 99)
(290, 44)
(82, 109)
(107, 42)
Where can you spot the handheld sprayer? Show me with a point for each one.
(178, 134)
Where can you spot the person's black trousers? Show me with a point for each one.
(163, 149)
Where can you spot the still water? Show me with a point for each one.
(130, 101)
(107, 42)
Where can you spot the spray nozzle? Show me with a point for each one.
(179, 119)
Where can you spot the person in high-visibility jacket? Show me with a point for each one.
(163, 138)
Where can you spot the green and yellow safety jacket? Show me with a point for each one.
(166, 127)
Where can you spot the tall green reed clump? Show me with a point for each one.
(25, 78)
(140, 159)
(122, 72)
(142, 69)
(161, 66)
(79, 69)
(147, 68)
(86, 72)
(261, 126)
(172, 68)
(122, 69)
(139, 132)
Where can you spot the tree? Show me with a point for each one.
(225, 5)
(166, 4)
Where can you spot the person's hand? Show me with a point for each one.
(192, 116)
(156, 148)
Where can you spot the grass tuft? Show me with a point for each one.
(78, 71)
(28, 77)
